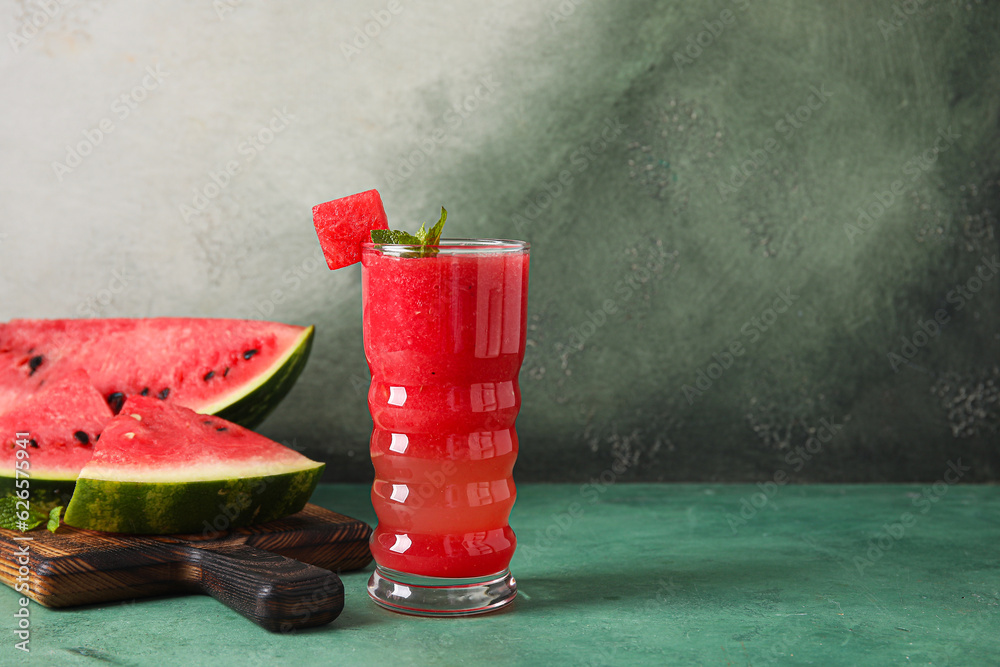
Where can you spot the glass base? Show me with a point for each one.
(432, 596)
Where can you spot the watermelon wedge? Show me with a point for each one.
(162, 468)
(60, 425)
(237, 369)
(344, 224)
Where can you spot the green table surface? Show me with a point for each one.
(632, 574)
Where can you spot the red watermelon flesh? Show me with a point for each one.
(61, 424)
(150, 441)
(208, 365)
(161, 468)
(344, 224)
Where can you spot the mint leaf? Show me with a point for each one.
(433, 237)
(53, 523)
(424, 239)
(393, 237)
(13, 517)
(422, 234)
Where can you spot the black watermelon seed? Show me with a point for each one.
(97, 437)
(33, 443)
(144, 392)
(34, 363)
(221, 428)
(225, 372)
(209, 375)
(82, 437)
(207, 422)
(163, 394)
(116, 401)
(249, 353)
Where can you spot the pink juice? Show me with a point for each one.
(444, 338)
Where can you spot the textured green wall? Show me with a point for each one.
(675, 182)
(679, 167)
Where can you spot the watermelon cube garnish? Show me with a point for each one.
(344, 224)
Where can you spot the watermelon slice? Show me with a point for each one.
(344, 224)
(237, 369)
(60, 424)
(161, 468)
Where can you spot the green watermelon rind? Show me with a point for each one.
(43, 492)
(144, 508)
(253, 403)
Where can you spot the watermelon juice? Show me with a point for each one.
(444, 338)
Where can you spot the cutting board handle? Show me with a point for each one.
(277, 593)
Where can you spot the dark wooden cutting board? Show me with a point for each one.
(281, 574)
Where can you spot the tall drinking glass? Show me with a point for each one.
(444, 337)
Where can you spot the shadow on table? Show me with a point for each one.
(686, 583)
(356, 612)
